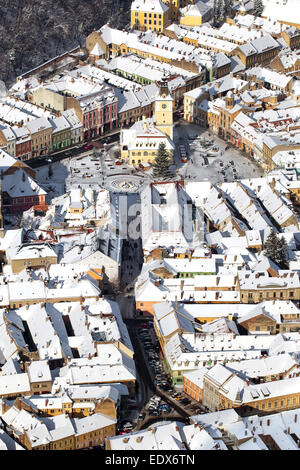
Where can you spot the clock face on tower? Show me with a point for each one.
(164, 106)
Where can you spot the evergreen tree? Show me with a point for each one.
(227, 7)
(216, 12)
(222, 9)
(276, 249)
(161, 167)
(283, 251)
(258, 7)
(270, 246)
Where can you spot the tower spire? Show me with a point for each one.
(164, 89)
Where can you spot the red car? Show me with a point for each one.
(88, 147)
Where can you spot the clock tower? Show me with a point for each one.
(164, 109)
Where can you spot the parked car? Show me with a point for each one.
(184, 401)
(126, 424)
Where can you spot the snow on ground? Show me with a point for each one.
(208, 159)
(55, 183)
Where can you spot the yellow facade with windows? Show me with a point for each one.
(149, 15)
(137, 156)
(140, 143)
(164, 114)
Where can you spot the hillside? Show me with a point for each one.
(32, 32)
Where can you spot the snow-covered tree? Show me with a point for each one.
(282, 251)
(276, 248)
(258, 7)
(3, 89)
(161, 167)
(216, 11)
(32, 32)
(222, 9)
(227, 7)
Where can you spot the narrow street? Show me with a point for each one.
(148, 388)
(145, 385)
(74, 151)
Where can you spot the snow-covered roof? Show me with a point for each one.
(39, 371)
(156, 6)
(270, 76)
(20, 184)
(282, 10)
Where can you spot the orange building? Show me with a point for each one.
(193, 383)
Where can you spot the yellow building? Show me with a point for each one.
(41, 135)
(164, 110)
(233, 392)
(195, 14)
(75, 204)
(140, 143)
(32, 255)
(149, 14)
